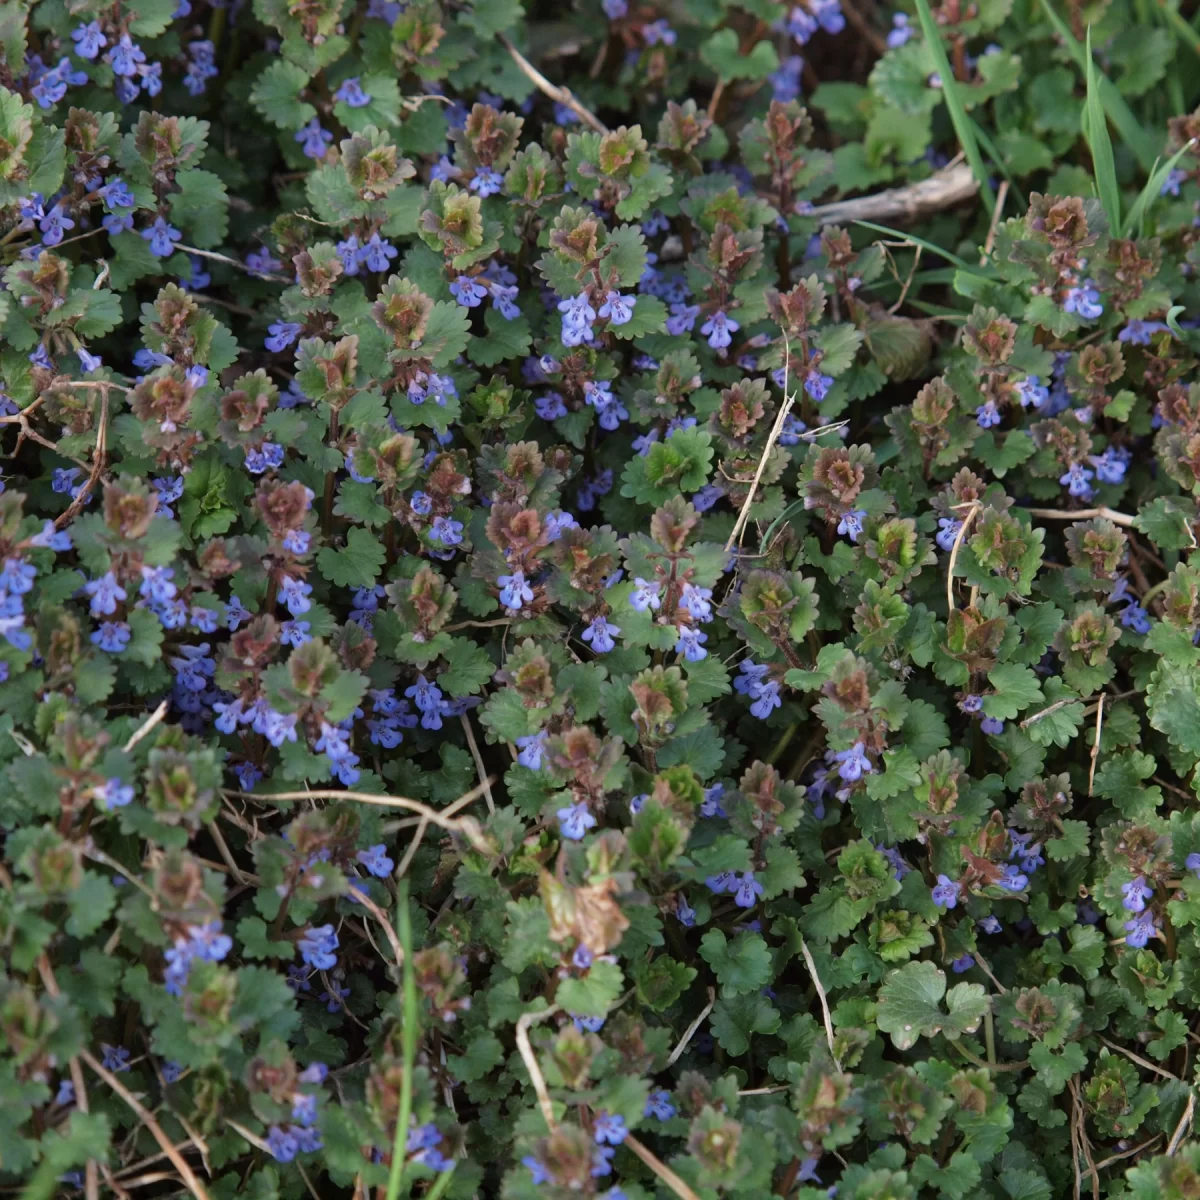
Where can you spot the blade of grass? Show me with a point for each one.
(989, 148)
(916, 241)
(1153, 189)
(408, 1042)
(1138, 140)
(1180, 26)
(439, 1188)
(1095, 132)
(963, 126)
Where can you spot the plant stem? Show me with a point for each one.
(408, 1042)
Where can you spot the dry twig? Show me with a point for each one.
(1184, 1125)
(944, 190)
(480, 769)
(147, 1118)
(531, 1063)
(958, 541)
(560, 94)
(660, 1169)
(690, 1032)
(1083, 514)
(1096, 742)
(812, 970)
(155, 718)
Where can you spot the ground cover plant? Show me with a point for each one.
(599, 599)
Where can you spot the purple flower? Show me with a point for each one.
(486, 182)
(947, 892)
(294, 593)
(283, 334)
(112, 637)
(992, 726)
(747, 891)
(659, 1106)
(948, 528)
(112, 793)
(313, 139)
(577, 319)
(317, 947)
(282, 1144)
(532, 750)
(1084, 301)
(468, 291)
(658, 33)
(1139, 333)
(116, 1058)
(1030, 392)
(1076, 481)
(125, 56)
(54, 224)
(854, 763)
(574, 821)
(901, 30)
(719, 329)
(767, 699)
(515, 593)
(376, 253)
(682, 319)
(1192, 863)
(351, 93)
(961, 964)
(987, 415)
(617, 308)
(851, 525)
(1135, 894)
(160, 235)
(105, 593)
(600, 634)
(610, 1128)
(375, 859)
(1170, 187)
(89, 39)
(1013, 880)
(690, 643)
(1139, 931)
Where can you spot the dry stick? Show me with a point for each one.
(385, 921)
(660, 1169)
(99, 460)
(561, 94)
(1037, 716)
(155, 718)
(690, 1032)
(233, 262)
(1001, 196)
(91, 1182)
(942, 190)
(464, 825)
(531, 1063)
(1083, 514)
(406, 861)
(480, 769)
(1141, 1062)
(1182, 1128)
(958, 541)
(1108, 1162)
(1096, 742)
(739, 525)
(147, 1118)
(812, 970)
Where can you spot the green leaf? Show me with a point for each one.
(201, 207)
(483, 1053)
(736, 1019)
(661, 981)
(1017, 687)
(743, 965)
(909, 1005)
(505, 340)
(357, 564)
(276, 95)
(469, 668)
(594, 994)
(723, 54)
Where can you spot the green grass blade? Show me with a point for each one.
(1136, 217)
(1182, 30)
(408, 1043)
(989, 148)
(929, 246)
(1095, 132)
(1139, 141)
(439, 1188)
(963, 126)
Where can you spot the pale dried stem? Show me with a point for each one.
(690, 1032)
(958, 541)
(561, 94)
(1083, 514)
(143, 730)
(1096, 742)
(1184, 1125)
(660, 1169)
(812, 970)
(480, 769)
(147, 1118)
(531, 1063)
